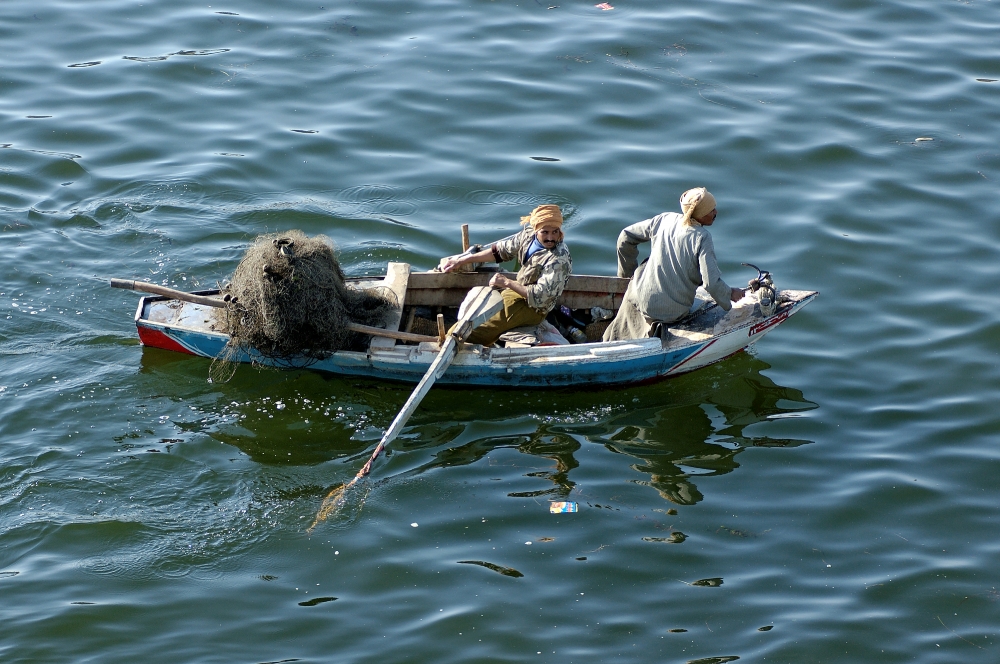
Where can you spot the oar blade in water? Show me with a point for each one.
(331, 503)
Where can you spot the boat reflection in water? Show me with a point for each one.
(677, 444)
(675, 430)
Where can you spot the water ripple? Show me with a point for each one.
(839, 477)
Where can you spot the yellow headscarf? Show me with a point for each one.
(543, 216)
(696, 203)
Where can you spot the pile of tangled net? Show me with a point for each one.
(288, 304)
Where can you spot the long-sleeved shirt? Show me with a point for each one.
(544, 275)
(682, 257)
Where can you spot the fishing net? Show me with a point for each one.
(288, 304)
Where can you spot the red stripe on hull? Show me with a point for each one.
(770, 322)
(157, 339)
(691, 357)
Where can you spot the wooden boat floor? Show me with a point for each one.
(185, 315)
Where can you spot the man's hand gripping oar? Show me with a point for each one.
(479, 306)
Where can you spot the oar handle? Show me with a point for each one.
(146, 287)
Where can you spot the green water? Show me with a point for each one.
(829, 496)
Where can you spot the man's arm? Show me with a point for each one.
(449, 263)
(498, 252)
(711, 277)
(501, 281)
(628, 246)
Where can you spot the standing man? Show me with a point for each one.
(545, 268)
(682, 257)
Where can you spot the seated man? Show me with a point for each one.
(545, 268)
(682, 257)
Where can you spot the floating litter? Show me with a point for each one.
(561, 508)
(604, 6)
(923, 139)
(414, 524)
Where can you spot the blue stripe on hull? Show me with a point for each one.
(591, 371)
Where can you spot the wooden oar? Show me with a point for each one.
(479, 309)
(129, 284)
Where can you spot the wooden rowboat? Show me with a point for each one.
(707, 336)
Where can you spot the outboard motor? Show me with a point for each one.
(763, 286)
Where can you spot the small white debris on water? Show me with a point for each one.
(279, 406)
(924, 138)
(528, 543)
(414, 524)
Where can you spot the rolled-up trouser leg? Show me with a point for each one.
(515, 313)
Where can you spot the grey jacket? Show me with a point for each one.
(682, 257)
